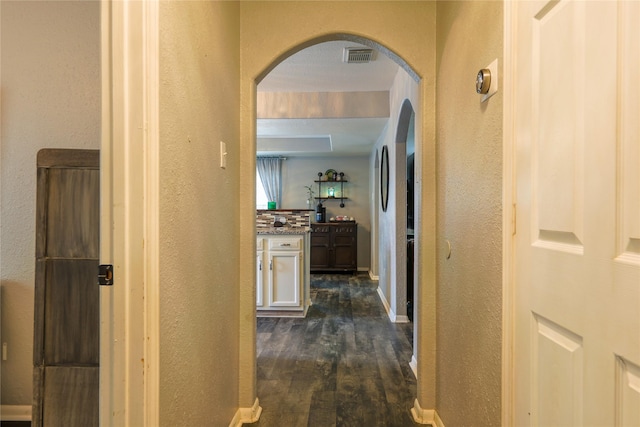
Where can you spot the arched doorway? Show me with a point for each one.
(393, 240)
(403, 131)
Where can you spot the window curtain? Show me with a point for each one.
(270, 171)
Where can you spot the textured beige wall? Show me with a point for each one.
(273, 30)
(469, 139)
(199, 105)
(392, 225)
(50, 99)
(300, 171)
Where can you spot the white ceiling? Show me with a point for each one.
(320, 68)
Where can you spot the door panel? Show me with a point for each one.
(71, 308)
(66, 310)
(577, 291)
(320, 253)
(629, 154)
(557, 374)
(627, 393)
(73, 233)
(68, 392)
(284, 280)
(558, 131)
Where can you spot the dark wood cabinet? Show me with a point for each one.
(66, 346)
(334, 247)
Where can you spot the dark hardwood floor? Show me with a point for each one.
(345, 364)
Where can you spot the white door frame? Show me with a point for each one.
(129, 315)
(508, 215)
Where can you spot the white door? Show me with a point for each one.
(577, 272)
(284, 279)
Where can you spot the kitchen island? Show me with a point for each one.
(282, 271)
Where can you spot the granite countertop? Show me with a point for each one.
(283, 230)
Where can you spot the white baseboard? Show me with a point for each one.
(425, 416)
(422, 416)
(247, 415)
(385, 303)
(373, 276)
(392, 316)
(413, 364)
(401, 319)
(365, 269)
(15, 413)
(235, 422)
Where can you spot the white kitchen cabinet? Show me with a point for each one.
(282, 280)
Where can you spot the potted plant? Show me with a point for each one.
(310, 194)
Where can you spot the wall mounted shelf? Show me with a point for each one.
(328, 185)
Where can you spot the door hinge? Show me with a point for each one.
(105, 275)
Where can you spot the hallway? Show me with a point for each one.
(345, 364)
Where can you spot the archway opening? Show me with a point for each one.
(404, 160)
(406, 289)
(396, 290)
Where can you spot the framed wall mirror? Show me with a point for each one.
(384, 178)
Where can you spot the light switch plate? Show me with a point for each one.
(493, 88)
(223, 155)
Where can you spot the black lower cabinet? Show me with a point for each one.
(334, 247)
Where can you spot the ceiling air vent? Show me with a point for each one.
(357, 55)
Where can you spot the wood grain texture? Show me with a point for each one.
(38, 382)
(72, 312)
(73, 213)
(42, 202)
(345, 364)
(71, 396)
(38, 314)
(68, 158)
(66, 306)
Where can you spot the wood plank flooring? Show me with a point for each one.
(345, 364)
